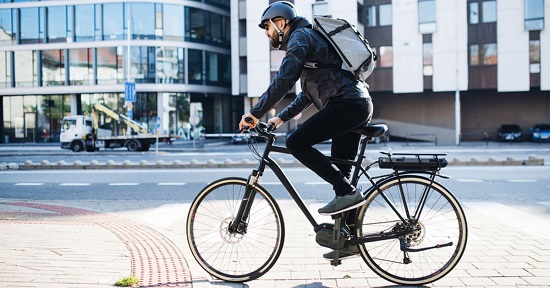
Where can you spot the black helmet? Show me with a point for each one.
(281, 9)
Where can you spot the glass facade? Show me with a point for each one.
(160, 53)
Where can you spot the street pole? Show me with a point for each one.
(458, 127)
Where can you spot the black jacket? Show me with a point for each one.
(303, 44)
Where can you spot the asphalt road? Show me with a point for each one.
(518, 184)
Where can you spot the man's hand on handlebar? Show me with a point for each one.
(248, 120)
(276, 121)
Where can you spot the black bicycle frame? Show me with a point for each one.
(240, 224)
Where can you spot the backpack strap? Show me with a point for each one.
(317, 65)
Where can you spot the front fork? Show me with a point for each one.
(240, 222)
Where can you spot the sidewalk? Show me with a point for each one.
(95, 243)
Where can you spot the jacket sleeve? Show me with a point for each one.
(300, 103)
(289, 72)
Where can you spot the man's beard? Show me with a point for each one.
(274, 40)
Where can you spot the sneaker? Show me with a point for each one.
(343, 253)
(343, 203)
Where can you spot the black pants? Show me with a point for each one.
(334, 121)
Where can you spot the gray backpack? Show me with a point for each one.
(354, 50)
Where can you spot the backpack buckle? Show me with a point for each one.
(313, 65)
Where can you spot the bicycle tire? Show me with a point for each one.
(442, 221)
(230, 256)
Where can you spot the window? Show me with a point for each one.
(143, 21)
(81, 67)
(473, 12)
(142, 64)
(220, 3)
(320, 8)
(490, 54)
(5, 69)
(173, 22)
(69, 124)
(489, 9)
(386, 56)
(371, 16)
(426, 16)
(32, 31)
(385, 15)
(6, 27)
(219, 69)
(194, 25)
(427, 51)
(53, 67)
(110, 69)
(474, 55)
(360, 17)
(219, 29)
(534, 14)
(57, 23)
(26, 68)
(486, 56)
(195, 66)
(85, 24)
(534, 56)
(113, 21)
(169, 65)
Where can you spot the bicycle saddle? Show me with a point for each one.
(371, 130)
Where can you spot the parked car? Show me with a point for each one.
(540, 132)
(509, 132)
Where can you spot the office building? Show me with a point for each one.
(60, 57)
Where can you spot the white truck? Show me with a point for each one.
(82, 133)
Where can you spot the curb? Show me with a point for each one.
(245, 163)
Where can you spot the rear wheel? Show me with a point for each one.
(231, 256)
(436, 237)
(132, 146)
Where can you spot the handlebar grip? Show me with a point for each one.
(249, 120)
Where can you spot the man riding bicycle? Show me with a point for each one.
(343, 102)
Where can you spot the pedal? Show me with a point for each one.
(336, 260)
(335, 263)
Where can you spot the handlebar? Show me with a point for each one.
(263, 129)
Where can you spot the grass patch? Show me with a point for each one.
(131, 281)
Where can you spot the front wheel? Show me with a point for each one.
(432, 230)
(233, 256)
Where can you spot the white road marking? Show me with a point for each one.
(270, 183)
(522, 180)
(29, 184)
(470, 180)
(317, 183)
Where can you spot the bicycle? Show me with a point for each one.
(411, 231)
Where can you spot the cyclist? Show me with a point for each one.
(343, 102)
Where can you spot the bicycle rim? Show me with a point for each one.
(230, 256)
(442, 221)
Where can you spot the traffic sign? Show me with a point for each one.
(130, 91)
(158, 122)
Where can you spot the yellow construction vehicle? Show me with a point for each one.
(81, 132)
